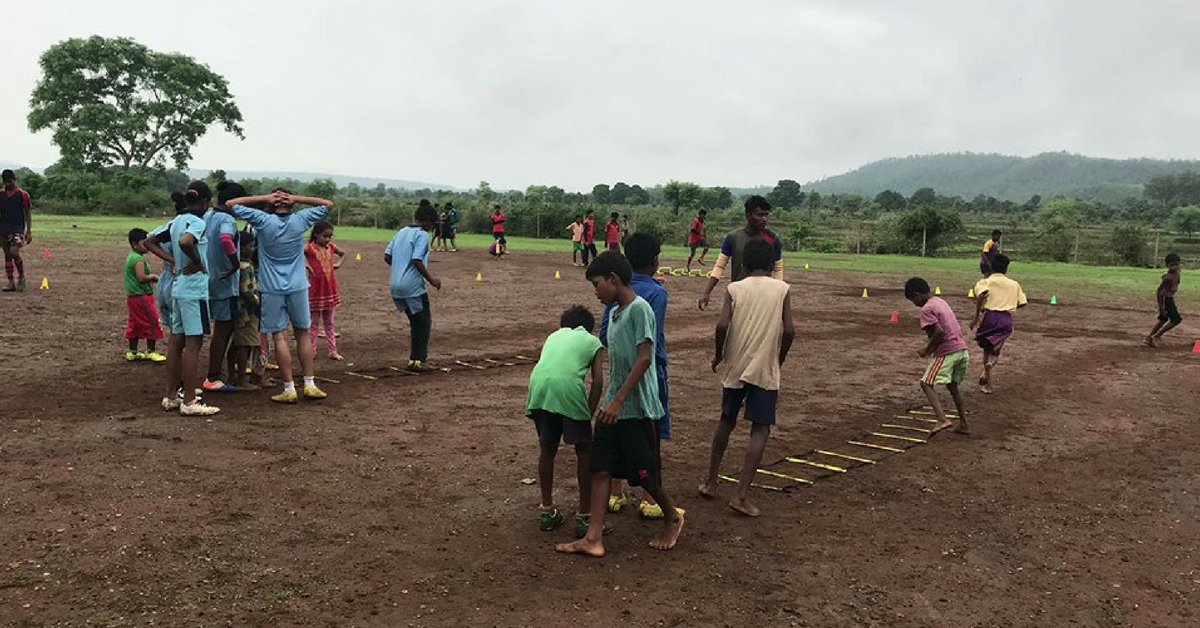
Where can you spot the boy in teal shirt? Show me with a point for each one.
(625, 443)
(562, 410)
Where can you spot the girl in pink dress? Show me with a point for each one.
(323, 297)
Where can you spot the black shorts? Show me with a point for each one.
(760, 404)
(553, 427)
(1169, 312)
(628, 449)
(499, 237)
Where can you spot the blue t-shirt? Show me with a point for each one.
(195, 285)
(217, 262)
(281, 246)
(167, 276)
(409, 244)
(656, 295)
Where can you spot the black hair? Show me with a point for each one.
(246, 237)
(757, 202)
(180, 201)
(136, 235)
(590, 211)
(280, 189)
(577, 316)
(1173, 258)
(449, 205)
(229, 190)
(996, 233)
(703, 212)
(758, 255)
(915, 286)
(318, 227)
(641, 249)
(496, 206)
(201, 189)
(578, 216)
(610, 263)
(614, 216)
(425, 212)
(8, 174)
(1000, 264)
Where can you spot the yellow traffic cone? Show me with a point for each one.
(45, 283)
(479, 276)
(971, 293)
(557, 275)
(358, 257)
(865, 293)
(805, 265)
(937, 290)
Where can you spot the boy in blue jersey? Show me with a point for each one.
(282, 280)
(642, 249)
(408, 255)
(220, 229)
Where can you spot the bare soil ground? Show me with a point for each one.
(398, 502)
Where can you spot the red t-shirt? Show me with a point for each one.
(697, 232)
(589, 230)
(498, 222)
(612, 233)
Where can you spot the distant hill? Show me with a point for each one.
(340, 179)
(1005, 176)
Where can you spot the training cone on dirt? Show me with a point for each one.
(479, 276)
(46, 253)
(806, 266)
(1196, 347)
(865, 294)
(971, 293)
(358, 257)
(45, 283)
(1053, 300)
(895, 316)
(557, 275)
(937, 290)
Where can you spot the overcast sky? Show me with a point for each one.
(733, 92)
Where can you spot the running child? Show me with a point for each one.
(946, 349)
(996, 298)
(283, 283)
(1168, 313)
(588, 237)
(696, 238)
(753, 338)
(408, 255)
(323, 297)
(991, 249)
(625, 442)
(498, 231)
(642, 249)
(576, 229)
(612, 233)
(246, 338)
(561, 409)
(139, 300)
(15, 230)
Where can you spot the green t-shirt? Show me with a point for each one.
(133, 287)
(556, 383)
(629, 327)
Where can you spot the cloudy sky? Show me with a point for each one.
(732, 92)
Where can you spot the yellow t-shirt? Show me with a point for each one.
(1003, 294)
(988, 246)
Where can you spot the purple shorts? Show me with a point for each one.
(994, 329)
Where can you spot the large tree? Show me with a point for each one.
(116, 102)
(786, 195)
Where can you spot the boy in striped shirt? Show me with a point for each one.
(946, 349)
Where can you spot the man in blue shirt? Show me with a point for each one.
(408, 255)
(282, 280)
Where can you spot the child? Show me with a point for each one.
(696, 239)
(408, 255)
(282, 281)
(15, 229)
(439, 228)
(754, 335)
(452, 218)
(576, 229)
(991, 249)
(139, 300)
(612, 233)
(222, 263)
(561, 410)
(996, 298)
(498, 231)
(625, 442)
(642, 249)
(323, 297)
(588, 238)
(246, 337)
(1168, 314)
(945, 346)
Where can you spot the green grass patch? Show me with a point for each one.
(282, 595)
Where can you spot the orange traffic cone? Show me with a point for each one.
(46, 253)
(895, 316)
(1196, 347)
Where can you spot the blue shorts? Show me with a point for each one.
(189, 317)
(223, 309)
(760, 404)
(278, 309)
(664, 424)
(165, 307)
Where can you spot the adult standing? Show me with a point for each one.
(758, 210)
(991, 249)
(15, 230)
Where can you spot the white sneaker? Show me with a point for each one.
(197, 409)
(169, 404)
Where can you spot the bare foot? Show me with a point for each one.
(670, 534)
(1150, 341)
(744, 507)
(582, 546)
(985, 389)
(707, 491)
(248, 386)
(336, 356)
(943, 425)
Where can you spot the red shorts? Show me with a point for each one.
(143, 318)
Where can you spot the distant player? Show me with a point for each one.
(139, 301)
(588, 238)
(612, 233)
(15, 230)
(576, 229)
(996, 298)
(753, 338)
(1168, 313)
(696, 238)
(758, 210)
(946, 349)
(408, 255)
(452, 218)
(498, 231)
(991, 249)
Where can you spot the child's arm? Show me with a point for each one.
(936, 335)
(241, 207)
(980, 300)
(597, 390)
(609, 413)
(187, 244)
(789, 329)
(310, 200)
(341, 255)
(723, 331)
(153, 243)
(142, 271)
(420, 266)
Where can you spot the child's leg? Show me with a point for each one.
(583, 462)
(703, 254)
(312, 331)
(327, 319)
(546, 473)
(191, 367)
(174, 364)
(692, 254)
(151, 344)
(759, 432)
(8, 264)
(962, 428)
(283, 353)
(672, 519)
(719, 442)
(304, 347)
(985, 381)
(935, 403)
(592, 544)
(222, 333)
(133, 342)
(422, 324)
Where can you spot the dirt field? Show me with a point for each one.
(398, 502)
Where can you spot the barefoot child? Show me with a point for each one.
(625, 442)
(996, 298)
(946, 348)
(1168, 313)
(588, 237)
(139, 300)
(246, 337)
(696, 239)
(562, 410)
(576, 229)
(408, 255)
(753, 338)
(323, 297)
(15, 229)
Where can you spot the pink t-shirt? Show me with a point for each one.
(936, 310)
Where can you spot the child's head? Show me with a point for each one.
(578, 316)
(589, 213)
(229, 190)
(247, 243)
(578, 218)
(135, 239)
(1173, 261)
(180, 201)
(198, 196)
(703, 214)
(916, 290)
(322, 233)
(425, 215)
(495, 209)
(10, 179)
(449, 206)
(757, 212)
(609, 272)
(642, 249)
(1000, 264)
(758, 256)
(996, 234)
(614, 216)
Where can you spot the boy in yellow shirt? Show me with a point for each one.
(996, 298)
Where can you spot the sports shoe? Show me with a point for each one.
(132, 356)
(646, 510)
(20, 284)
(550, 519)
(312, 392)
(581, 526)
(218, 386)
(418, 366)
(154, 356)
(271, 366)
(197, 409)
(11, 287)
(169, 404)
(616, 503)
(287, 396)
